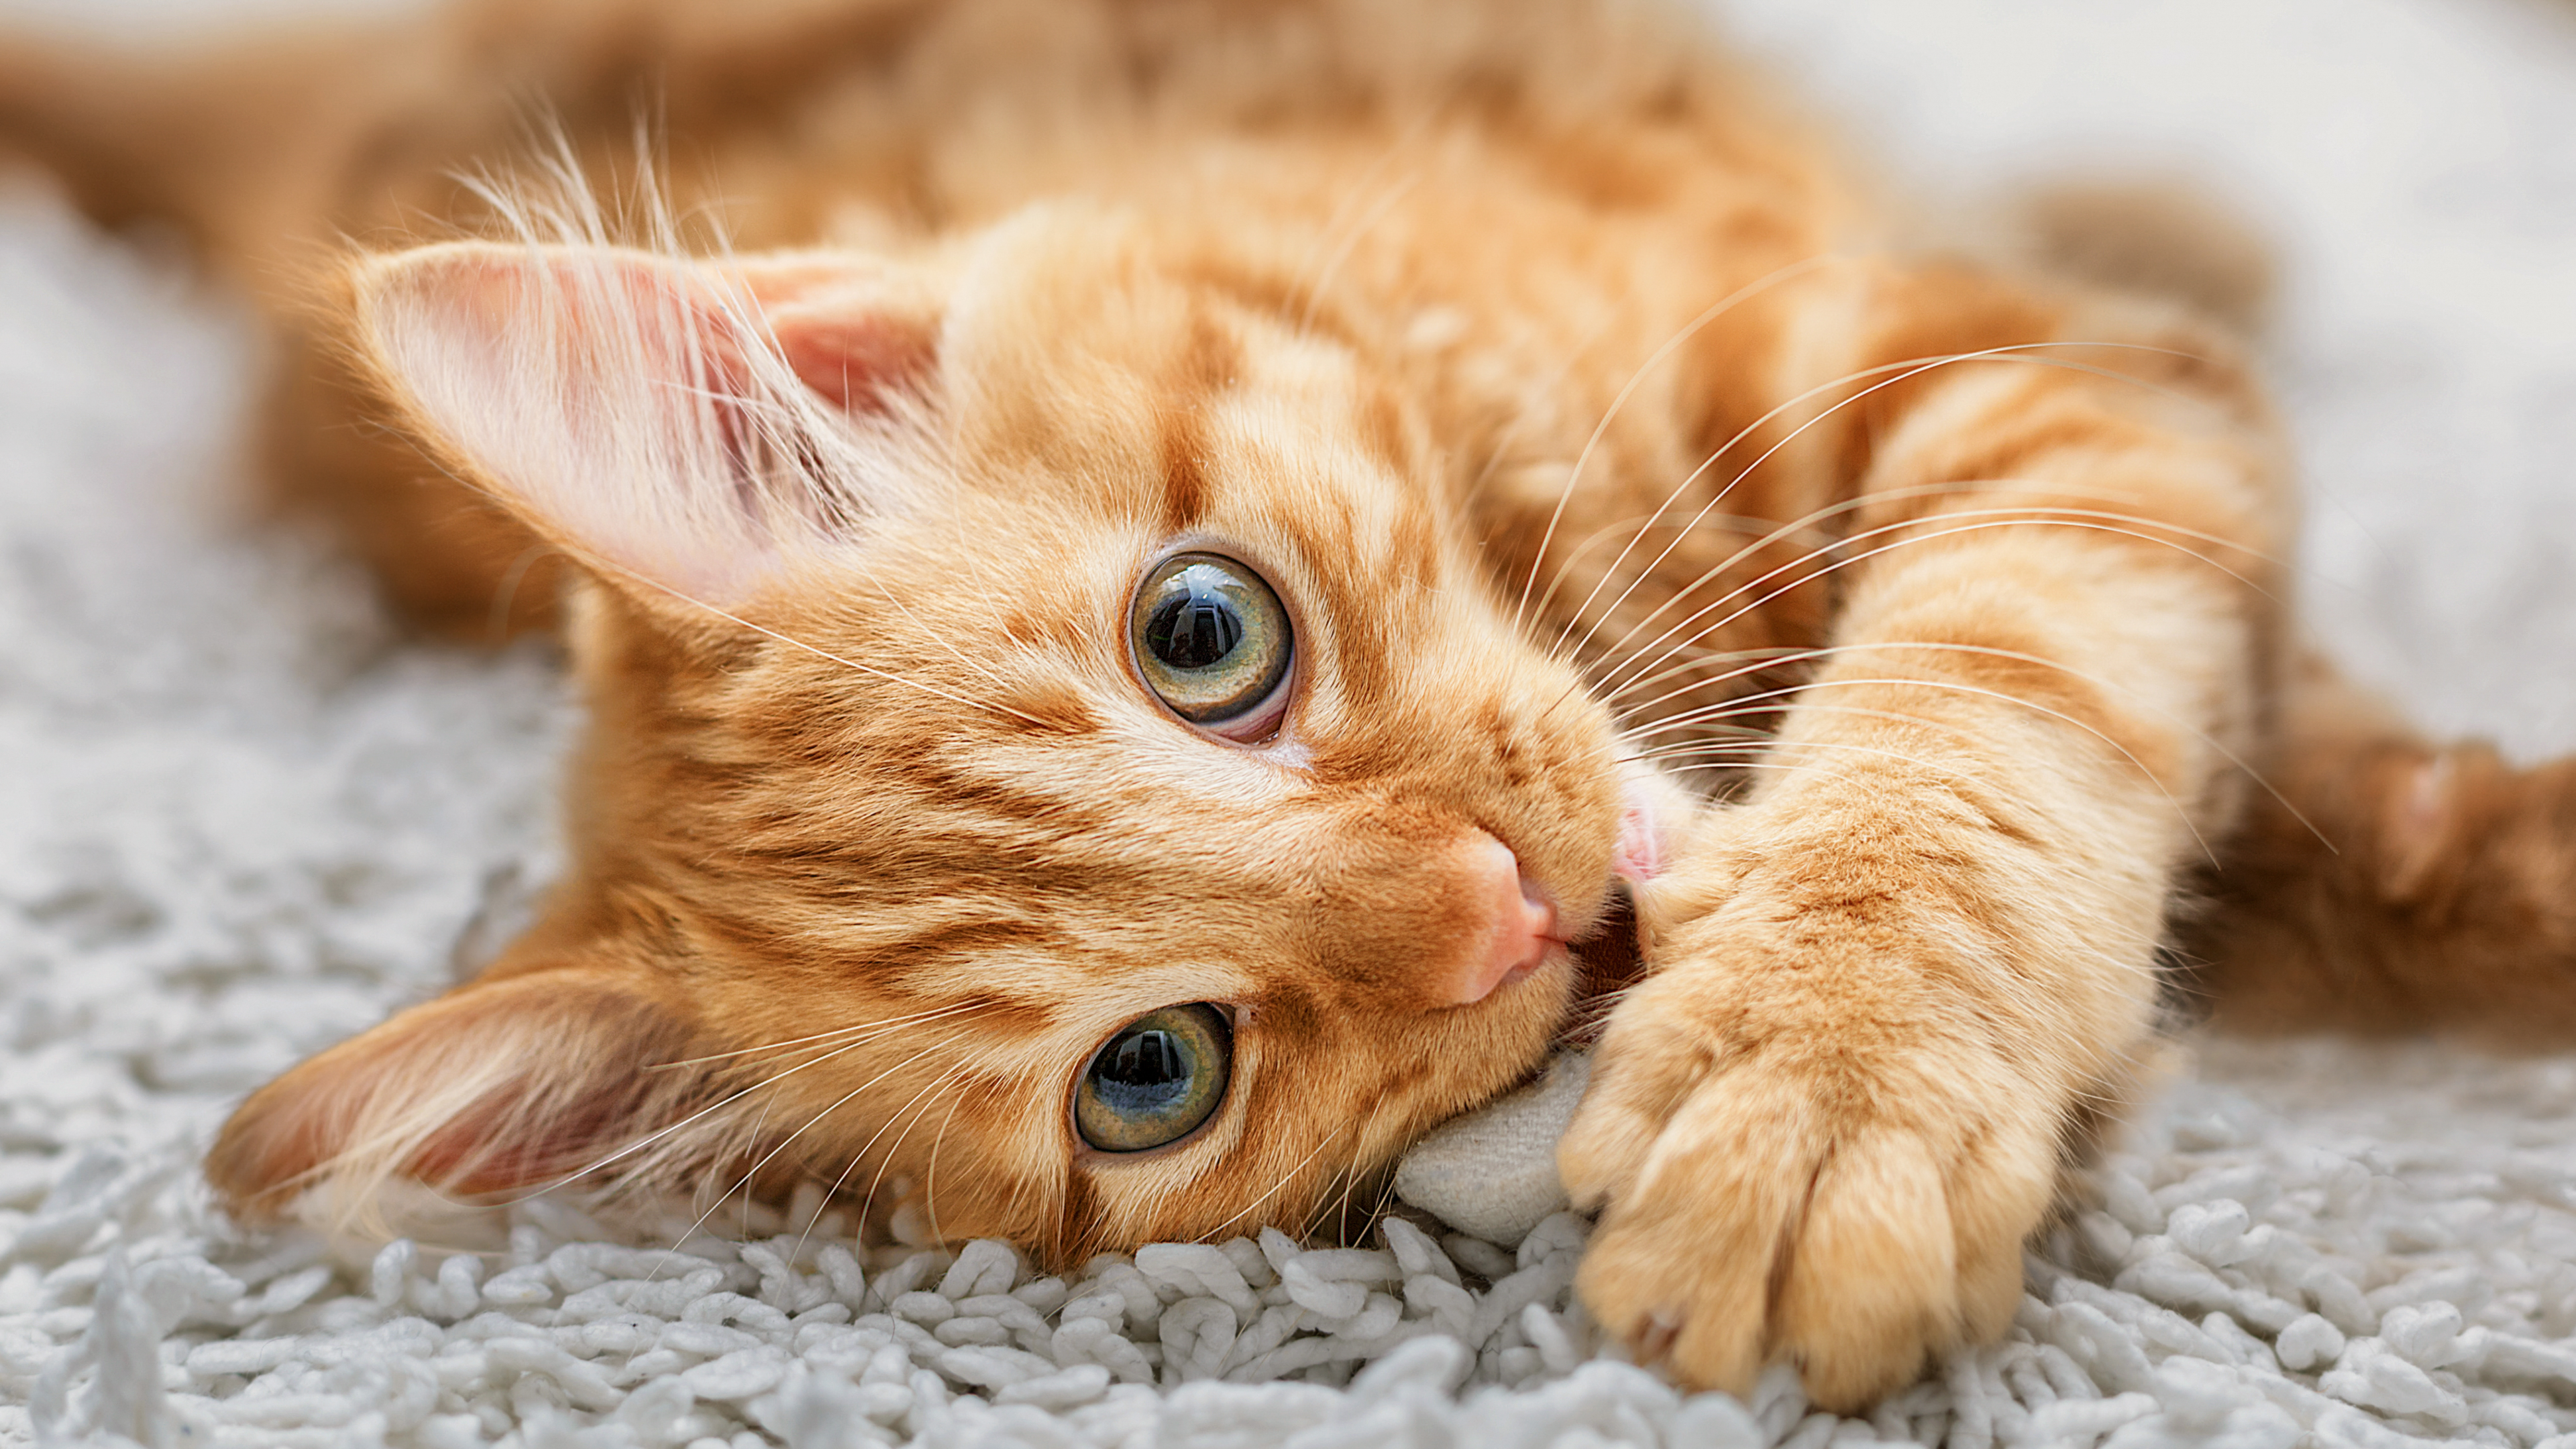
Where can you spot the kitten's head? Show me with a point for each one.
(1055, 754)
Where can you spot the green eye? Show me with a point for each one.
(1212, 641)
(1160, 1077)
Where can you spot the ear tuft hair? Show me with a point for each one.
(642, 412)
(501, 1086)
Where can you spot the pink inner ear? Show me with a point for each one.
(494, 1087)
(502, 1145)
(628, 406)
(853, 360)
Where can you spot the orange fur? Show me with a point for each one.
(1601, 435)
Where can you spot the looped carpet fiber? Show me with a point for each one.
(238, 821)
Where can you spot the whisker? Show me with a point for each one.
(868, 669)
(1902, 371)
(2027, 513)
(2032, 514)
(1996, 694)
(1020, 1182)
(2017, 518)
(649, 1139)
(753, 1171)
(890, 1022)
(1646, 522)
(1783, 531)
(1574, 476)
(1783, 692)
(1285, 1178)
(1800, 767)
(930, 1177)
(1698, 718)
(2202, 736)
(935, 636)
(861, 1155)
(1723, 747)
(757, 1124)
(1547, 386)
(1350, 1172)
(868, 1203)
(1775, 534)
(1824, 651)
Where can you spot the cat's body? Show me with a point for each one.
(1601, 439)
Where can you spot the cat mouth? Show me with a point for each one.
(1608, 959)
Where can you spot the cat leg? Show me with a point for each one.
(1888, 989)
(2390, 884)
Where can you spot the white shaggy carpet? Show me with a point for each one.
(237, 822)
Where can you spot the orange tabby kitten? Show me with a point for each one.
(1186, 552)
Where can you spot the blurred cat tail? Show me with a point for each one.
(2394, 886)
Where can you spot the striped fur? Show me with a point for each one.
(1906, 629)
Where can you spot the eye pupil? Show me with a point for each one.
(1194, 631)
(1148, 1059)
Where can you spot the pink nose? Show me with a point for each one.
(1519, 928)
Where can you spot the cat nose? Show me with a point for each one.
(1519, 926)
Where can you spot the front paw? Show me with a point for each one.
(1845, 1190)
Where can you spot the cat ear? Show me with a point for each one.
(495, 1087)
(678, 424)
